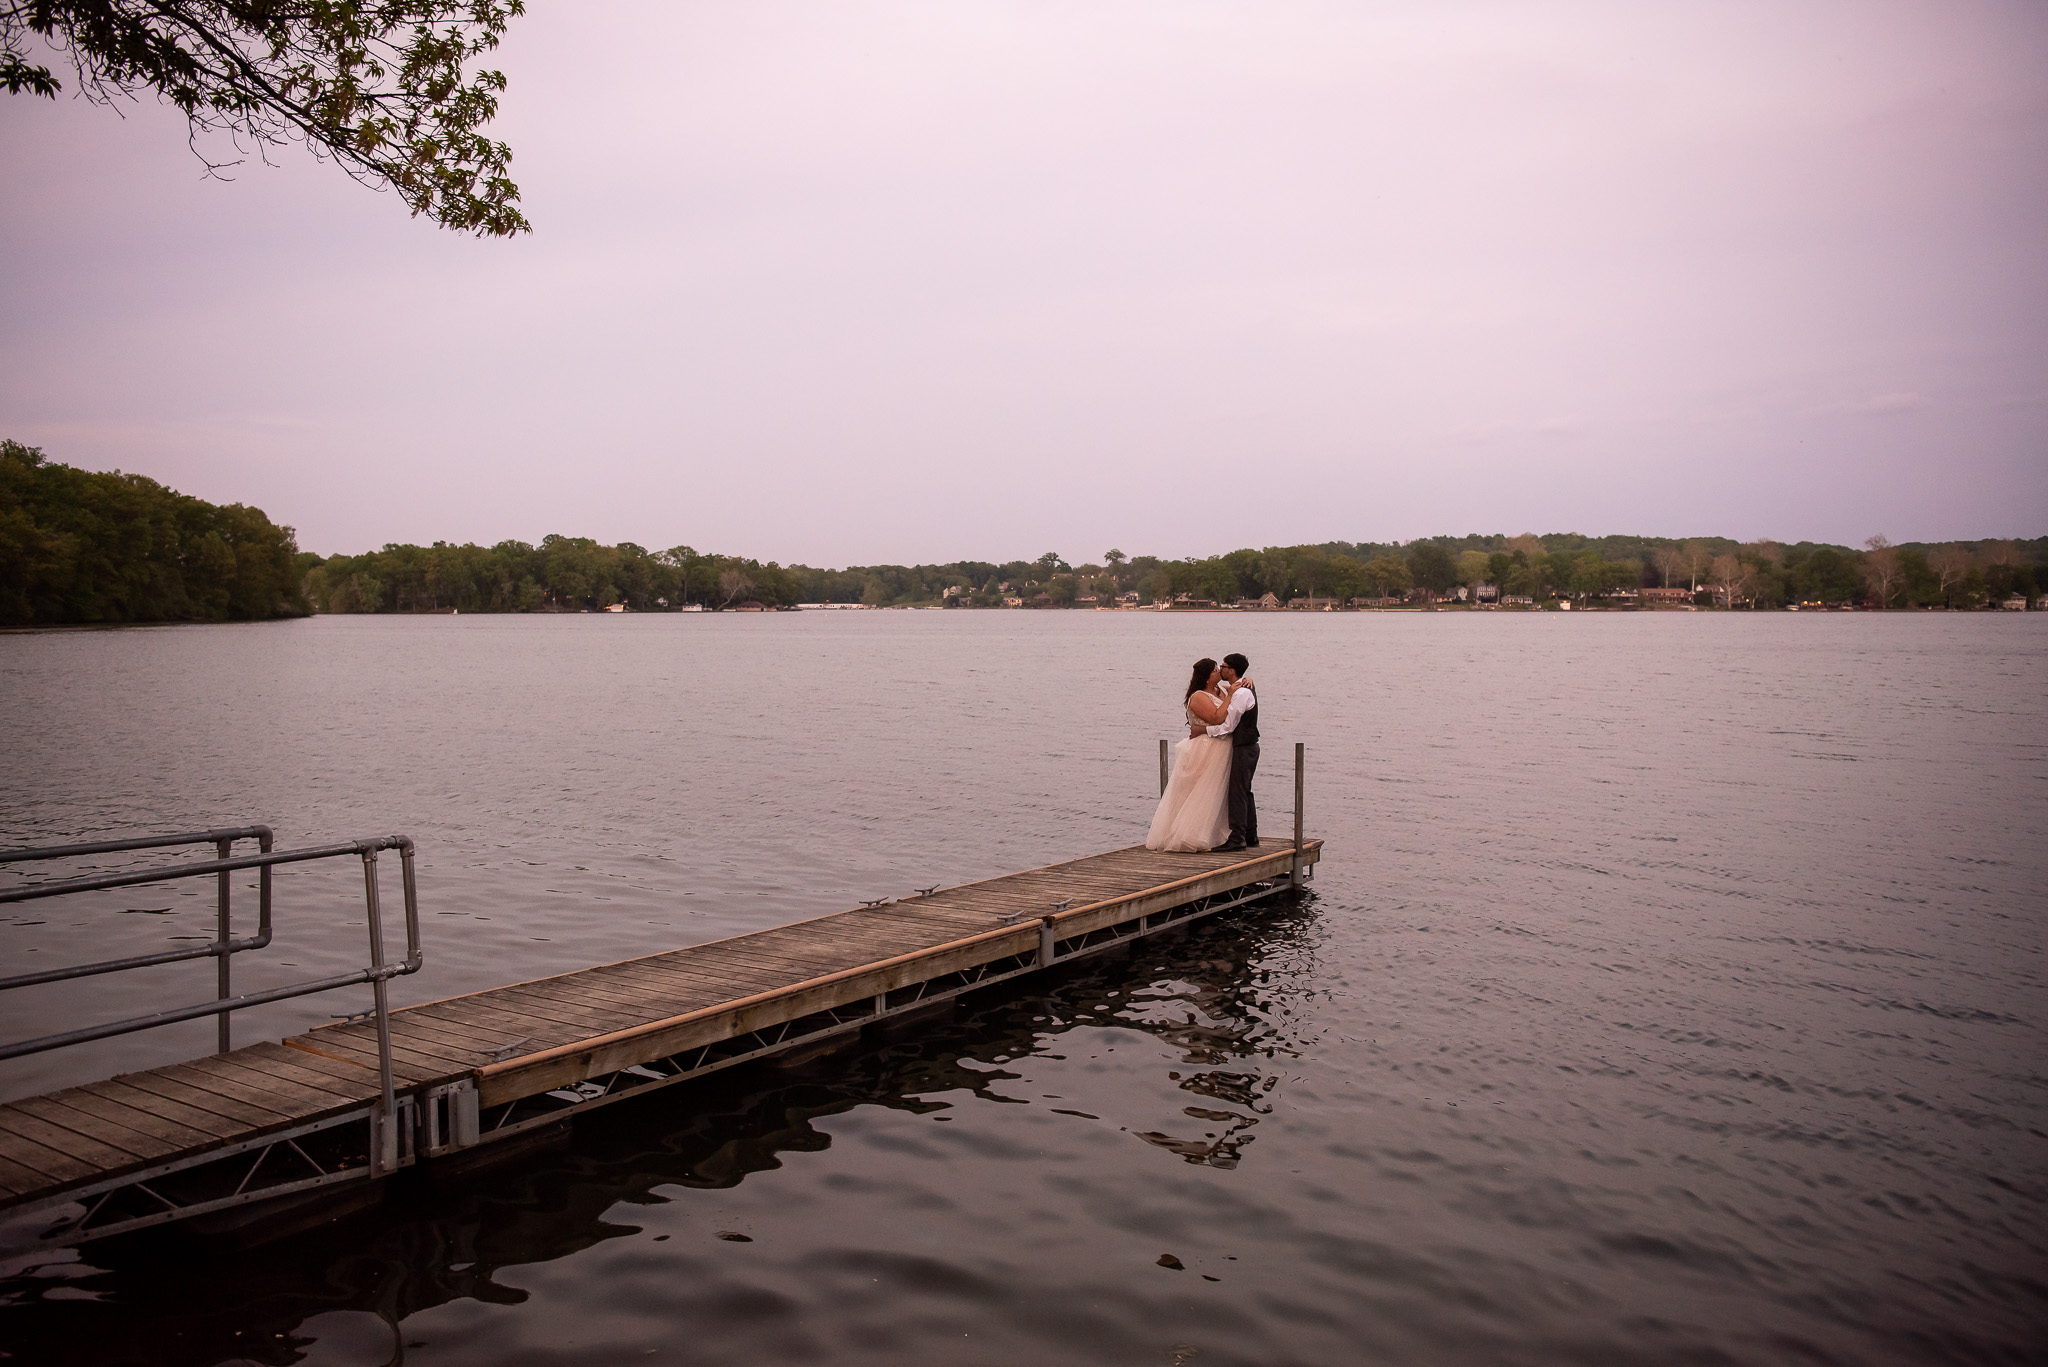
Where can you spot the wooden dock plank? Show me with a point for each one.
(549, 999)
(409, 1067)
(677, 981)
(278, 1069)
(56, 1167)
(469, 1037)
(557, 1004)
(488, 1018)
(117, 1093)
(167, 1132)
(449, 1039)
(511, 1029)
(115, 1133)
(349, 1078)
(83, 1150)
(292, 1099)
(610, 992)
(205, 1093)
(425, 1056)
(17, 1181)
(620, 998)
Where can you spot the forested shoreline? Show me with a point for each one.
(570, 574)
(78, 546)
(81, 546)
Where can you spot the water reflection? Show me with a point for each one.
(1220, 996)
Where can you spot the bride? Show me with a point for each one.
(1194, 811)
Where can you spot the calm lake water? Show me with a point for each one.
(1672, 990)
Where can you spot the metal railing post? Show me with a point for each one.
(222, 973)
(1294, 871)
(386, 1123)
(1162, 766)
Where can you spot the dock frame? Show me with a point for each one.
(354, 1102)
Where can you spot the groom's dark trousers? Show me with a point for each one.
(1244, 811)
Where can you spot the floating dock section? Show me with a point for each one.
(277, 1120)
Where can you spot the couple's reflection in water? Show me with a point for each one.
(1220, 995)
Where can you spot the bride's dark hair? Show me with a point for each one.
(1200, 679)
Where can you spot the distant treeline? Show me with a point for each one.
(574, 573)
(79, 546)
(76, 546)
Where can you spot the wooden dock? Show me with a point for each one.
(277, 1120)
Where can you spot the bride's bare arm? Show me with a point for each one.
(1207, 707)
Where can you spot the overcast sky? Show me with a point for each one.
(858, 282)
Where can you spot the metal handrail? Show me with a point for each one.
(224, 945)
(377, 974)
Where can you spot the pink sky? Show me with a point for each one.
(859, 282)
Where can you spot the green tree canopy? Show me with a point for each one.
(80, 546)
(384, 87)
(1432, 566)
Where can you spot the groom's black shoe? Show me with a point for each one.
(1230, 846)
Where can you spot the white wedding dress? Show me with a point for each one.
(1194, 811)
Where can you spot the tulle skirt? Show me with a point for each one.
(1194, 811)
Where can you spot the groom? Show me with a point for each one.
(1241, 725)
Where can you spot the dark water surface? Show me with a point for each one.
(1672, 991)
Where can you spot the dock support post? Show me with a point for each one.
(1294, 865)
(1046, 944)
(223, 1032)
(384, 1158)
(1162, 766)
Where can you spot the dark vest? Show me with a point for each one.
(1247, 732)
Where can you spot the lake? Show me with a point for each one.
(1671, 990)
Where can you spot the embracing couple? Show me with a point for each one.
(1208, 804)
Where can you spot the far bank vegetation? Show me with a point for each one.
(78, 546)
(81, 546)
(569, 574)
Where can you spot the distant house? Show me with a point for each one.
(1375, 602)
(1129, 598)
(1087, 600)
(956, 591)
(750, 606)
(1188, 600)
(1667, 595)
(1462, 592)
(2014, 604)
(1311, 605)
(621, 607)
(1486, 593)
(1013, 602)
(1043, 600)
(1518, 600)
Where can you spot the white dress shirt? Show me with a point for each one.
(1240, 703)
